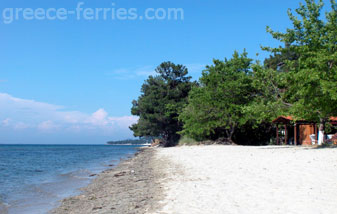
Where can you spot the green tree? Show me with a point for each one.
(311, 82)
(277, 61)
(163, 97)
(215, 108)
(267, 103)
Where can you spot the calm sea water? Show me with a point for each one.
(33, 178)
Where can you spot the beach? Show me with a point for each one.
(131, 187)
(215, 179)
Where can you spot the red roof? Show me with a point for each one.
(334, 119)
(287, 119)
(283, 119)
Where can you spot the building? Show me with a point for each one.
(300, 132)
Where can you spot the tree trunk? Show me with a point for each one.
(321, 135)
(230, 133)
(165, 139)
(171, 140)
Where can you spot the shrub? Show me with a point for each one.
(184, 140)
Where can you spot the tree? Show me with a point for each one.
(268, 88)
(215, 108)
(277, 61)
(163, 97)
(311, 82)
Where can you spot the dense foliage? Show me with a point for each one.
(237, 98)
(310, 89)
(216, 107)
(163, 97)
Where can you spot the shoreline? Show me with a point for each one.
(131, 187)
(214, 179)
(45, 175)
(3, 208)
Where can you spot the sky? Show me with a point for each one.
(72, 81)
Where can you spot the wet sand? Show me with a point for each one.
(132, 187)
(3, 208)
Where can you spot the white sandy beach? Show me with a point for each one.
(235, 179)
(214, 180)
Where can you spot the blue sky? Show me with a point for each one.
(72, 81)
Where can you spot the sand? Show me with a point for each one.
(130, 188)
(235, 179)
(214, 180)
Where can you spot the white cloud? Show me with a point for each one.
(20, 114)
(6, 122)
(21, 125)
(47, 126)
(26, 104)
(125, 121)
(26, 110)
(99, 118)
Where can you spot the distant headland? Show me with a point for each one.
(141, 141)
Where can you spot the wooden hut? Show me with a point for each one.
(297, 132)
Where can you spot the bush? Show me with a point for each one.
(184, 140)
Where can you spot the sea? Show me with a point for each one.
(34, 178)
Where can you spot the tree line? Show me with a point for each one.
(236, 99)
